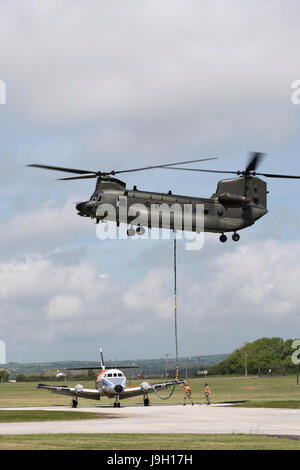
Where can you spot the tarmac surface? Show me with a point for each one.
(203, 419)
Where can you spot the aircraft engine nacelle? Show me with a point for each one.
(145, 386)
(227, 198)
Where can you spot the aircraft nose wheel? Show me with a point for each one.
(223, 238)
(235, 237)
(146, 401)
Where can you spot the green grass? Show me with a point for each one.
(281, 392)
(276, 391)
(19, 416)
(146, 442)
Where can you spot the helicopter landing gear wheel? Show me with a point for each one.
(223, 238)
(235, 237)
(140, 230)
(131, 232)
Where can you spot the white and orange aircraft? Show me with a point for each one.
(109, 383)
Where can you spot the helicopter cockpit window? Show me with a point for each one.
(96, 197)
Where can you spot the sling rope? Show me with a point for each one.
(165, 398)
(175, 318)
(175, 306)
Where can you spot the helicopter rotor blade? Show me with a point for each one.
(271, 175)
(160, 166)
(206, 171)
(255, 159)
(77, 178)
(59, 168)
(267, 175)
(92, 174)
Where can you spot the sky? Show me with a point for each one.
(114, 85)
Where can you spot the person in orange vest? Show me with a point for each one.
(187, 394)
(207, 393)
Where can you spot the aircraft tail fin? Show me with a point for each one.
(101, 359)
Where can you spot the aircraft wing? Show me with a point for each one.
(146, 388)
(77, 391)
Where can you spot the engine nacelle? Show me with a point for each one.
(226, 198)
(145, 386)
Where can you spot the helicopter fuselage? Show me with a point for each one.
(237, 204)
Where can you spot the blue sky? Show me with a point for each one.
(112, 87)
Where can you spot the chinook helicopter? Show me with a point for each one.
(237, 203)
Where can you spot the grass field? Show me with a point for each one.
(19, 416)
(282, 392)
(146, 442)
(269, 392)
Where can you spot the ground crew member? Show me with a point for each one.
(187, 394)
(207, 393)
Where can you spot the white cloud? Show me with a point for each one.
(49, 226)
(237, 296)
(64, 307)
(258, 281)
(192, 72)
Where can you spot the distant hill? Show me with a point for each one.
(146, 366)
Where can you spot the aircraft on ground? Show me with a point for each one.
(109, 383)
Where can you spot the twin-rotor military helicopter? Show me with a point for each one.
(237, 203)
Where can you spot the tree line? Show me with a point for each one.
(265, 356)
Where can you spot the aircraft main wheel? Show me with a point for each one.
(146, 401)
(74, 403)
(223, 238)
(115, 404)
(119, 405)
(235, 237)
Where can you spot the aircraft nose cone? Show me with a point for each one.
(80, 206)
(118, 388)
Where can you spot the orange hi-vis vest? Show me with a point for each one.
(187, 389)
(207, 389)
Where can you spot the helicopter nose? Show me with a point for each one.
(80, 206)
(118, 388)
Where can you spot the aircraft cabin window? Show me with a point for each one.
(109, 375)
(115, 375)
(120, 375)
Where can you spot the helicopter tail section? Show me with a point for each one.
(245, 189)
